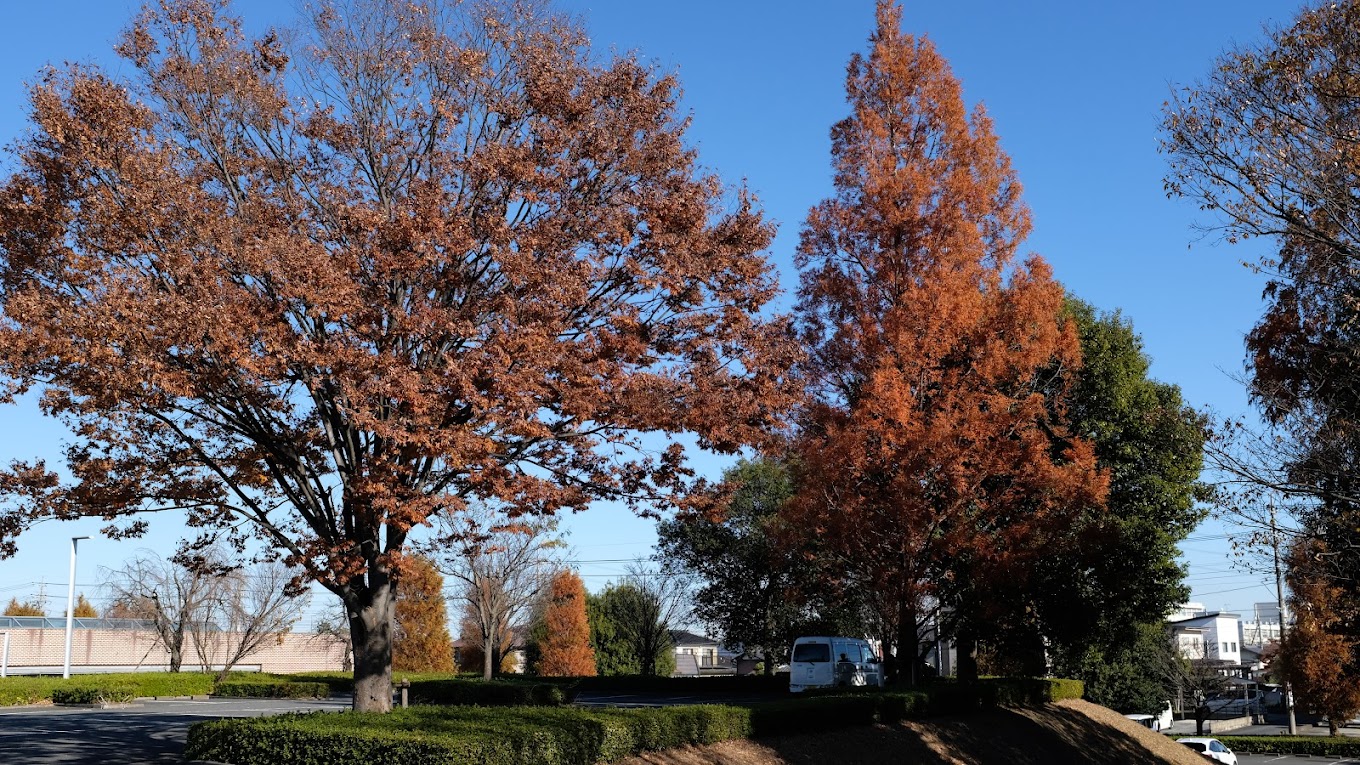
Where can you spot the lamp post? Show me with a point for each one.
(70, 607)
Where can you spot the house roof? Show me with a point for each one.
(681, 638)
(1202, 618)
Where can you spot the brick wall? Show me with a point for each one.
(293, 652)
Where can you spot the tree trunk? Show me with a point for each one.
(769, 663)
(370, 629)
(908, 644)
(966, 647)
(175, 645)
(488, 655)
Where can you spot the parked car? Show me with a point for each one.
(1211, 748)
(830, 662)
(1147, 721)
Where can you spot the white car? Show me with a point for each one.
(1211, 748)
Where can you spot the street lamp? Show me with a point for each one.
(70, 607)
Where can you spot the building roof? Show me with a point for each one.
(683, 639)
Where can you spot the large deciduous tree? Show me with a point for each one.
(931, 451)
(421, 641)
(323, 285)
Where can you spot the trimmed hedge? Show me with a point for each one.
(487, 736)
(1325, 746)
(94, 694)
(494, 693)
(267, 689)
(717, 685)
(35, 690)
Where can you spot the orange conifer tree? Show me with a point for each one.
(931, 452)
(566, 651)
(84, 609)
(421, 640)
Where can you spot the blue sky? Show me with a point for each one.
(1074, 88)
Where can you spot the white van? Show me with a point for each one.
(832, 662)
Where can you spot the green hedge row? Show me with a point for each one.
(34, 690)
(1324, 746)
(717, 685)
(494, 693)
(268, 689)
(452, 736)
(94, 694)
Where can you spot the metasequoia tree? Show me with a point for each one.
(26, 608)
(420, 641)
(1320, 655)
(930, 452)
(564, 649)
(84, 608)
(430, 253)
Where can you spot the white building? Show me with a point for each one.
(1264, 628)
(1207, 635)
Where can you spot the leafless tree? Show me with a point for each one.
(247, 608)
(665, 603)
(172, 597)
(501, 566)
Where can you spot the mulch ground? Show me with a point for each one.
(1069, 732)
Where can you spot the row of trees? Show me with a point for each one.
(349, 301)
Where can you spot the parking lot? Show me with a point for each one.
(152, 732)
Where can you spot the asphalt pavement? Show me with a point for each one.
(151, 732)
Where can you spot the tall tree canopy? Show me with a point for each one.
(434, 252)
(930, 448)
(1267, 142)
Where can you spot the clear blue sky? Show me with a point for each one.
(1075, 90)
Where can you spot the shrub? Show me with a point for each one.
(717, 685)
(34, 690)
(492, 693)
(1324, 746)
(97, 693)
(267, 689)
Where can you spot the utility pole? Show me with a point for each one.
(1279, 603)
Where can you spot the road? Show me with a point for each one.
(151, 733)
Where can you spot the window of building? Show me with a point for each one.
(1225, 648)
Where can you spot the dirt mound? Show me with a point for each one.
(1074, 732)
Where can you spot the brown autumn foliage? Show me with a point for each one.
(931, 455)
(84, 609)
(327, 293)
(1320, 655)
(565, 649)
(421, 641)
(27, 608)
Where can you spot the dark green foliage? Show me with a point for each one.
(752, 591)
(626, 629)
(1133, 680)
(1116, 569)
(267, 689)
(486, 693)
(688, 685)
(1321, 746)
(95, 693)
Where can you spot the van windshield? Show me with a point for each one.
(812, 652)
